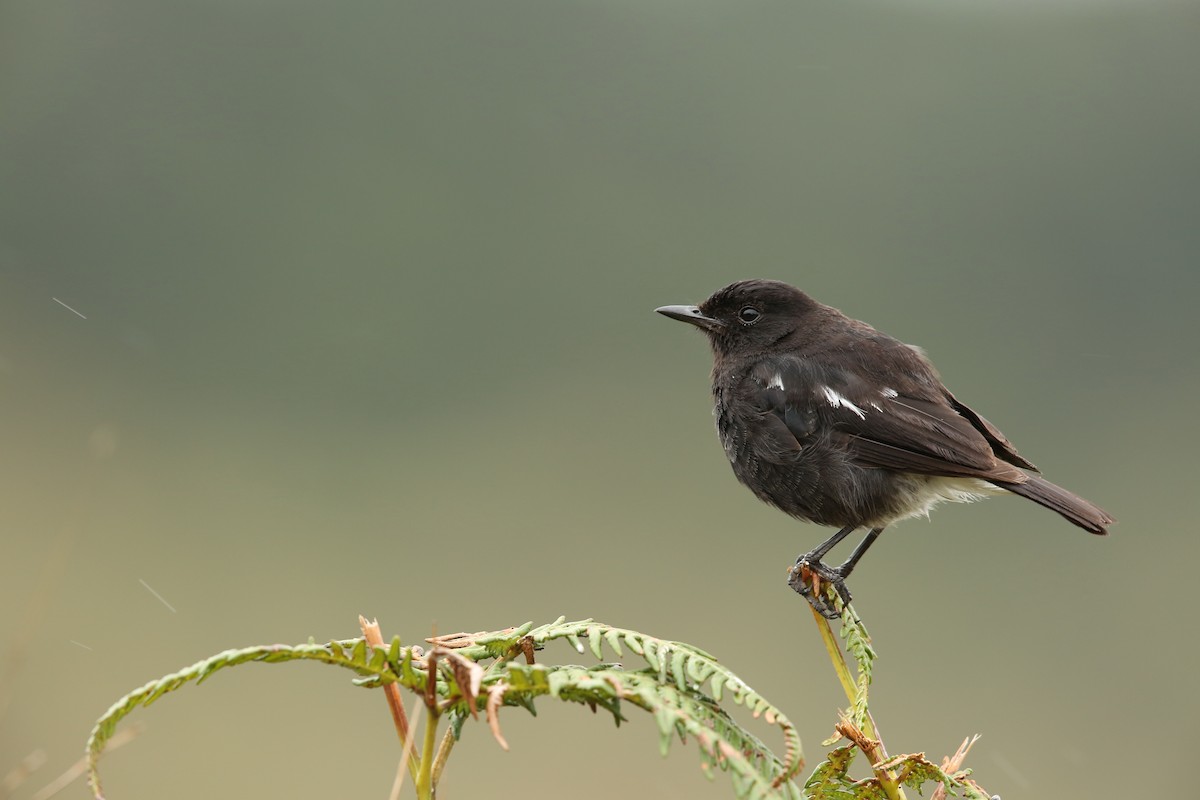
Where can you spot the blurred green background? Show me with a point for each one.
(369, 294)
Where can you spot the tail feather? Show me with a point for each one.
(1071, 506)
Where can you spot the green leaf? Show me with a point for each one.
(358, 656)
(718, 685)
(679, 668)
(557, 680)
(613, 637)
(650, 653)
(595, 642)
(666, 727)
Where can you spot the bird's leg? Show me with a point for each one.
(810, 563)
(848, 565)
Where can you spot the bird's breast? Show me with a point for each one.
(730, 431)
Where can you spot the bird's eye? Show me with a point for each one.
(749, 315)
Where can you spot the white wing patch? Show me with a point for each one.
(776, 382)
(837, 401)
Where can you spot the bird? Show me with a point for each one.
(833, 422)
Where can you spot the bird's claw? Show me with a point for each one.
(806, 578)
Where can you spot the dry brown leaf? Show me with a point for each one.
(954, 763)
(495, 694)
(467, 674)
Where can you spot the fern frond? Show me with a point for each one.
(377, 667)
(829, 781)
(688, 667)
(670, 689)
(681, 686)
(858, 644)
(756, 771)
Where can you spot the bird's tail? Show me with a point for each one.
(1071, 506)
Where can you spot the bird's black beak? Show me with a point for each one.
(693, 315)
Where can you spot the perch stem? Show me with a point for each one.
(425, 785)
(877, 753)
(836, 657)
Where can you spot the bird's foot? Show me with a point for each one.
(807, 579)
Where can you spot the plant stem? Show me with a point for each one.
(425, 785)
(443, 753)
(835, 656)
(878, 754)
(406, 752)
(391, 691)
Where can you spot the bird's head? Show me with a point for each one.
(748, 317)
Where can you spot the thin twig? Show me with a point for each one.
(21, 772)
(391, 691)
(398, 781)
(405, 753)
(121, 737)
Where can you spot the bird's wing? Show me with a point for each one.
(1000, 445)
(915, 428)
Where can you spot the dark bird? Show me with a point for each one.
(833, 422)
